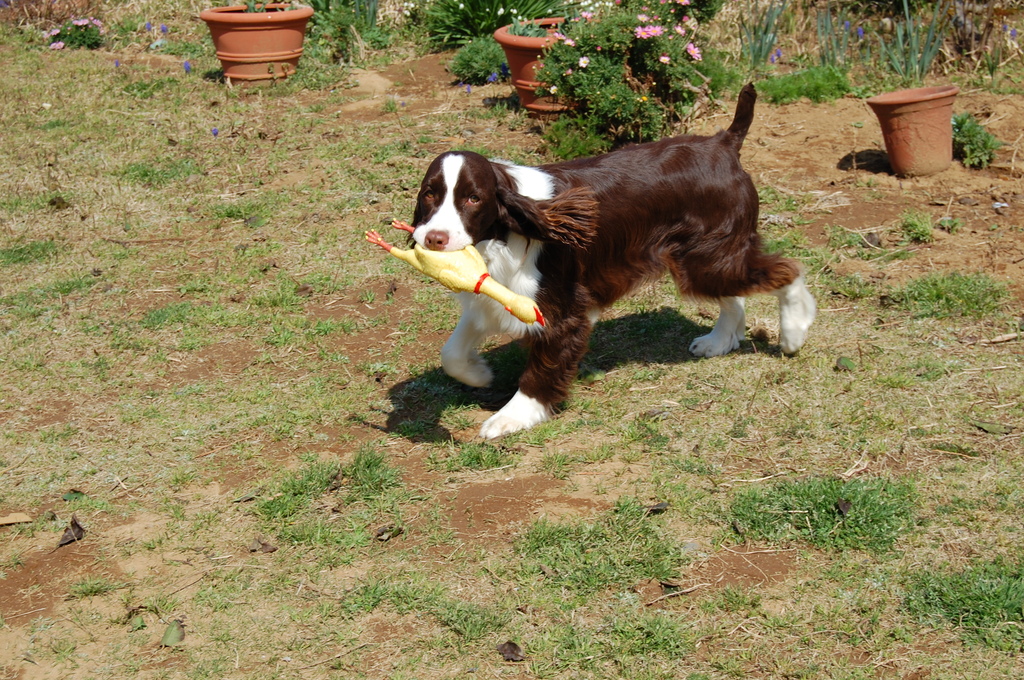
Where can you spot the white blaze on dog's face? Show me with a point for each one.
(456, 203)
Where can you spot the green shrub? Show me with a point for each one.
(916, 227)
(478, 62)
(867, 514)
(973, 145)
(818, 83)
(627, 75)
(457, 22)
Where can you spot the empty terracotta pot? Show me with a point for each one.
(917, 128)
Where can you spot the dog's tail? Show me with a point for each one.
(744, 115)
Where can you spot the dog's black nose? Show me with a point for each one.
(436, 240)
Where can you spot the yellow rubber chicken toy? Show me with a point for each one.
(461, 271)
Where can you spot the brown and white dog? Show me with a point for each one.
(577, 236)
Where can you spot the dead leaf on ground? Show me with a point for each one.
(74, 532)
(657, 508)
(511, 651)
(260, 545)
(174, 635)
(844, 506)
(992, 428)
(387, 532)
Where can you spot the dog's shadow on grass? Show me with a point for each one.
(421, 403)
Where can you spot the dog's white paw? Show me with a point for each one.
(715, 343)
(521, 413)
(797, 310)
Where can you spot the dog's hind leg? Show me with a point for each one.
(728, 331)
(796, 313)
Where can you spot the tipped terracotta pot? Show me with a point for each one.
(258, 45)
(917, 128)
(523, 55)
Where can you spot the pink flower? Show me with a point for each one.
(694, 52)
(652, 31)
(568, 72)
(587, 15)
(57, 45)
(570, 42)
(683, 2)
(584, 62)
(679, 29)
(664, 59)
(81, 22)
(642, 17)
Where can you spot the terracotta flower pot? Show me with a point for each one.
(523, 56)
(258, 45)
(917, 128)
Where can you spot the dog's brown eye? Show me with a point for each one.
(428, 195)
(474, 199)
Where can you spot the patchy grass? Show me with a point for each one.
(827, 513)
(984, 601)
(954, 294)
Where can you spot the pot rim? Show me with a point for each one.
(236, 14)
(504, 37)
(915, 95)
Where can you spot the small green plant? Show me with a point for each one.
(90, 587)
(913, 49)
(479, 62)
(526, 29)
(759, 31)
(985, 601)
(951, 294)
(369, 475)
(77, 33)
(833, 42)
(916, 227)
(818, 83)
(973, 145)
(457, 22)
(478, 456)
(827, 513)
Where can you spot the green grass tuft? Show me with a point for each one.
(620, 549)
(818, 83)
(949, 294)
(827, 513)
(33, 251)
(985, 601)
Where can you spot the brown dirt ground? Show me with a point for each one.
(799, 148)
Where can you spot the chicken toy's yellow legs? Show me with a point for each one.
(461, 271)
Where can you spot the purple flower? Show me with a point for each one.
(117, 63)
(163, 28)
(1013, 33)
(493, 78)
(860, 33)
(846, 25)
(149, 26)
(469, 89)
(215, 132)
(188, 67)
(505, 70)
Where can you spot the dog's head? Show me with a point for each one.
(465, 198)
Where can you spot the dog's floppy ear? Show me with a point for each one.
(569, 218)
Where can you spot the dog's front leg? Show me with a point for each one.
(550, 370)
(459, 356)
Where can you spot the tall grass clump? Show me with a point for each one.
(913, 47)
(457, 22)
(759, 31)
(868, 514)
